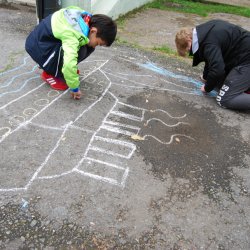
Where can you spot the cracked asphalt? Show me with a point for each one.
(142, 161)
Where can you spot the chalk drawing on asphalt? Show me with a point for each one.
(108, 147)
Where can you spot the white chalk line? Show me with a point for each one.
(98, 177)
(46, 126)
(28, 121)
(89, 147)
(104, 163)
(17, 90)
(156, 88)
(101, 178)
(67, 126)
(37, 114)
(16, 76)
(171, 138)
(16, 68)
(167, 125)
(165, 112)
(139, 83)
(54, 176)
(122, 74)
(128, 80)
(41, 166)
(20, 97)
(108, 152)
(99, 99)
(116, 130)
(126, 115)
(6, 133)
(127, 170)
(150, 84)
(122, 125)
(48, 156)
(124, 178)
(82, 129)
(115, 141)
(136, 63)
(105, 179)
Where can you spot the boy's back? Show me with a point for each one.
(64, 39)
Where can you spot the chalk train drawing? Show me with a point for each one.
(102, 125)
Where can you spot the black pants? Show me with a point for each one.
(232, 94)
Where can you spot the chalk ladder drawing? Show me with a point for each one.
(118, 150)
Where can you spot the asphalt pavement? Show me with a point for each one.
(142, 161)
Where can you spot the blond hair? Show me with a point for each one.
(181, 40)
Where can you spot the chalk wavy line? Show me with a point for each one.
(194, 92)
(149, 85)
(165, 112)
(164, 80)
(167, 125)
(171, 139)
(20, 97)
(162, 71)
(17, 90)
(16, 68)
(13, 78)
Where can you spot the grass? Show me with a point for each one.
(11, 60)
(198, 7)
(202, 8)
(166, 50)
(122, 18)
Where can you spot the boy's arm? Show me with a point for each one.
(215, 66)
(70, 47)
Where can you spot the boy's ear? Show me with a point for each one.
(93, 30)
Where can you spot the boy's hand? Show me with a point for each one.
(76, 95)
(203, 89)
(202, 79)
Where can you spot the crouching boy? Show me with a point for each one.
(225, 49)
(64, 39)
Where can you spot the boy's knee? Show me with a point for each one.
(222, 98)
(222, 103)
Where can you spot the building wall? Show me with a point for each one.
(113, 8)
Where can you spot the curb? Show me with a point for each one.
(31, 3)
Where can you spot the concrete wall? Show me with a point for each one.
(113, 8)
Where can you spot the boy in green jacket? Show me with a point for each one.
(62, 40)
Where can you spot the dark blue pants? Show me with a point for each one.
(46, 50)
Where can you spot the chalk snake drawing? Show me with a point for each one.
(26, 108)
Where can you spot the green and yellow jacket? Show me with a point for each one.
(58, 41)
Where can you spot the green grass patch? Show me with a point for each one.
(166, 50)
(202, 8)
(122, 18)
(11, 61)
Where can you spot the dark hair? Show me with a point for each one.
(106, 28)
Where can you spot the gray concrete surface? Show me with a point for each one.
(73, 175)
(22, 2)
